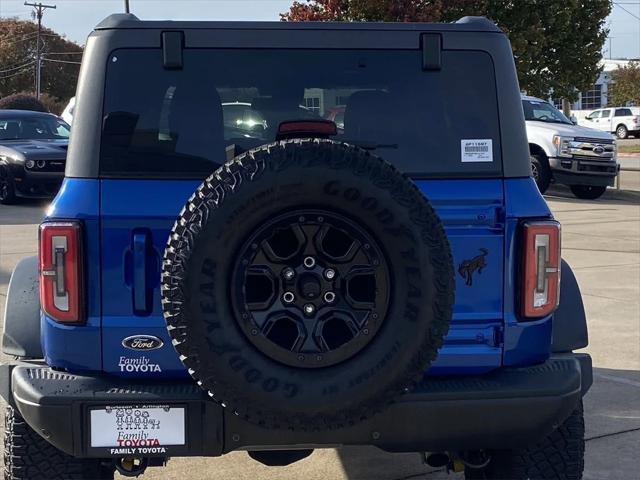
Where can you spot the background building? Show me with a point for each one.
(596, 96)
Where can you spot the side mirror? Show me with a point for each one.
(573, 119)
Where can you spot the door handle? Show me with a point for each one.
(140, 291)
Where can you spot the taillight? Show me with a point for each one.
(61, 275)
(306, 128)
(540, 268)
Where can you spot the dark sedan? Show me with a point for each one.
(33, 149)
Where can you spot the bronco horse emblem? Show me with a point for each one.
(467, 267)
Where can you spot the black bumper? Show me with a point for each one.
(504, 409)
(38, 184)
(571, 171)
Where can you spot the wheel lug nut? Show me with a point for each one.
(309, 309)
(289, 273)
(309, 262)
(329, 274)
(329, 297)
(288, 297)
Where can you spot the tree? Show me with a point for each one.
(22, 101)
(557, 44)
(626, 85)
(18, 60)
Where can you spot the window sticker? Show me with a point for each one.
(476, 150)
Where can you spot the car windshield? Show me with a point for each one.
(187, 122)
(33, 127)
(541, 111)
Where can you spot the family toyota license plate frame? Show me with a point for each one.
(149, 430)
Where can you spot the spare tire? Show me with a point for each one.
(306, 284)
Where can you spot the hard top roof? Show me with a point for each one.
(130, 21)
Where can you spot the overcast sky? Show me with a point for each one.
(76, 18)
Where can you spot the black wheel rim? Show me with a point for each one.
(4, 184)
(310, 288)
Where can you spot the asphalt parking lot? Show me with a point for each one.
(601, 240)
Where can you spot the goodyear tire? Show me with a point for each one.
(559, 456)
(28, 456)
(250, 264)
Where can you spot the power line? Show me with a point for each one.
(24, 38)
(60, 61)
(39, 9)
(26, 69)
(64, 53)
(21, 62)
(18, 67)
(630, 13)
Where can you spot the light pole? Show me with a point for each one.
(126, 6)
(39, 11)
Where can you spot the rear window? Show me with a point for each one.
(180, 123)
(623, 112)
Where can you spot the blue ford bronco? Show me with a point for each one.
(276, 237)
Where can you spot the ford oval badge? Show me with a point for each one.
(142, 342)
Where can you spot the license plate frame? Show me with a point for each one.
(165, 432)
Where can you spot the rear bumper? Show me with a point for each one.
(504, 409)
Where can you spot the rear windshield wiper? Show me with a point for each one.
(371, 145)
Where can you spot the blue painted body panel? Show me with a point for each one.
(472, 213)
(525, 343)
(127, 224)
(78, 347)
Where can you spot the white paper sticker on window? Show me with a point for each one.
(476, 150)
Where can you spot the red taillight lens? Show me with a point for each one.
(306, 128)
(541, 268)
(61, 276)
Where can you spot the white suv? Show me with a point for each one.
(619, 120)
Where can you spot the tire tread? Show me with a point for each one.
(28, 456)
(249, 166)
(559, 456)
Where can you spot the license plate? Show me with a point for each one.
(137, 426)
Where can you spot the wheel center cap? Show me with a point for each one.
(309, 286)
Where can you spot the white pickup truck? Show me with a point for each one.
(562, 152)
(621, 120)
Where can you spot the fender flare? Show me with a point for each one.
(21, 337)
(569, 320)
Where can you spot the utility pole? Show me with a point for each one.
(39, 9)
(126, 6)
